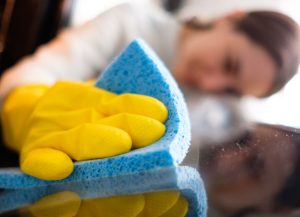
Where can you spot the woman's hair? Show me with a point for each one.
(277, 33)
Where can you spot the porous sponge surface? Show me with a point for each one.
(136, 70)
(184, 179)
(139, 70)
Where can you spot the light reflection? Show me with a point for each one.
(69, 204)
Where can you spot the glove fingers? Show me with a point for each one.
(49, 121)
(66, 96)
(47, 164)
(137, 104)
(142, 130)
(85, 142)
(64, 203)
(74, 96)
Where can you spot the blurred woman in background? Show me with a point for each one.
(246, 53)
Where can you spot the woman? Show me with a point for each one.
(252, 53)
(260, 48)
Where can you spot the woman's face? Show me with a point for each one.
(223, 60)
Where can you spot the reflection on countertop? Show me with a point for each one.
(165, 192)
(254, 174)
(68, 203)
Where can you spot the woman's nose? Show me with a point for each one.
(216, 80)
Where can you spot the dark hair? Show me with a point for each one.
(277, 33)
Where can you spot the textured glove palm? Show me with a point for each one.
(75, 121)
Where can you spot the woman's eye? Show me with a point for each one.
(228, 65)
(231, 66)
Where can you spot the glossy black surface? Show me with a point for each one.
(255, 174)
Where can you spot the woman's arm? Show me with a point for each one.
(76, 54)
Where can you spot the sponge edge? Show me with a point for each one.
(139, 70)
(136, 70)
(184, 179)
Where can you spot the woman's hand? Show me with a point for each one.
(75, 121)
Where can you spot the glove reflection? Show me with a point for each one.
(68, 204)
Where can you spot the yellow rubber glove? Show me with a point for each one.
(16, 110)
(80, 122)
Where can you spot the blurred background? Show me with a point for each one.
(281, 108)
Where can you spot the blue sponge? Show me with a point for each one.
(184, 179)
(136, 70)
